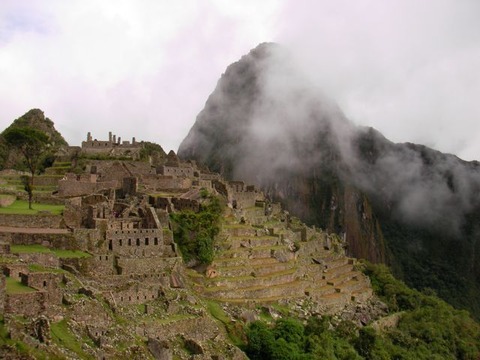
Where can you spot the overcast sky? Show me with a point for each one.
(144, 68)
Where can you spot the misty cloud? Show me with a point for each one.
(407, 68)
(271, 124)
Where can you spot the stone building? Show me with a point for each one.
(112, 147)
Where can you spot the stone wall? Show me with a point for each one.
(32, 221)
(200, 329)
(44, 259)
(96, 265)
(161, 182)
(15, 271)
(87, 239)
(44, 281)
(55, 241)
(27, 304)
(245, 199)
(47, 180)
(146, 265)
(138, 242)
(74, 188)
(137, 294)
(5, 246)
(3, 293)
(185, 204)
(179, 171)
(209, 176)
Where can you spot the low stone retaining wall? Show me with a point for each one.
(45, 221)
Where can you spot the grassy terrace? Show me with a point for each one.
(16, 287)
(250, 277)
(20, 207)
(33, 249)
(253, 249)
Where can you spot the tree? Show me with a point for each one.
(31, 143)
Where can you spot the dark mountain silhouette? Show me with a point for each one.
(404, 204)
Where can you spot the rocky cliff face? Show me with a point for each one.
(401, 203)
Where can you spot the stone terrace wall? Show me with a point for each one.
(44, 259)
(97, 265)
(32, 221)
(147, 265)
(161, 182)
(74, 188)
(47, 180)
(55, 241)
(87, 239)
(27, 304)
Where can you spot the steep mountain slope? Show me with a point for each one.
(404, 204)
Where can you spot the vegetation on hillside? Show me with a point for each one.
(195, 232)
(31, 144)
(427, 328)
(36, 120)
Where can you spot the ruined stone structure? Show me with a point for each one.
(112, 146)
(117, 214)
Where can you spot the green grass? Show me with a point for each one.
(22, 348)
(20, 207)
(29, 249)
(233, 330)
(34, 249)
(63, 337)
(62, 164)
(16, 287)
(64, 254)
(40, 268)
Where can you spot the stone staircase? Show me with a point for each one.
(256, 264)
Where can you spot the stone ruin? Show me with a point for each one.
(118, 213)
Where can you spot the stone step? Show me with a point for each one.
(237, 283)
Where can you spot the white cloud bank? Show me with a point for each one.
(145, 68)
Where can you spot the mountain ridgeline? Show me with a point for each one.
(404, 204)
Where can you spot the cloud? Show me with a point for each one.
(403, 67)
(140, 69)
(146, 68)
